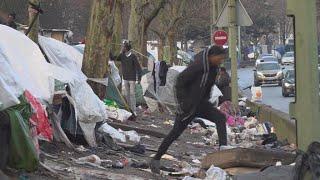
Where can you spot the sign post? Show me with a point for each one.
(220, 38)
(232, 16)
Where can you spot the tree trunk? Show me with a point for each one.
(117, 33)
(160, 48)
(172, 45)
(139, 24)
(98, 43)
(33, 34)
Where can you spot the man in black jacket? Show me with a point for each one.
(193, 87)
(131, 72)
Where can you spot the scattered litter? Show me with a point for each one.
(226, 147)
(91, 159)
(140, 149)
(118, 165)
(168, 122)
(190, 178)
(81, 149)
(154, 126)
(112, 132)
(132, 135)
(118, 114)
(215, 173)
(279, 163)
(196, 161)
(166, 157)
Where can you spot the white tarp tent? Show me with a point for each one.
(89, 108)
(28, 66)
(28, 69)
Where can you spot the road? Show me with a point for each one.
(271, 94)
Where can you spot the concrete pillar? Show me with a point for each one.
(305, 109)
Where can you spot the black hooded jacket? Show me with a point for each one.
(194, 84)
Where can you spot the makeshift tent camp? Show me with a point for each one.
(113, 93)
(165, 94)
(89, 109)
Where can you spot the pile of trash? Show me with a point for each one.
(243, 129)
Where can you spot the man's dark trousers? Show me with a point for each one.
(205, 110)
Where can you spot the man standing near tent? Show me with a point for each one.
(11, 20)
(131, 72)
(192, 89)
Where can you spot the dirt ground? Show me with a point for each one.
(60, 160)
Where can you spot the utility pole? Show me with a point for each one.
(233, 50)
(214, 19)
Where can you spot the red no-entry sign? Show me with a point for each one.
(220, 38)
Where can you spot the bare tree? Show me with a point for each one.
(141, 15)
(98, 42)
(166, 26)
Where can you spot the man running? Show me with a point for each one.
(192, 91)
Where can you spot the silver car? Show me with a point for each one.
(268, 73)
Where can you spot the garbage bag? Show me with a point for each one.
(23, 153)
(214, 95)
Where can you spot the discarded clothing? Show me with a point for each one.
(39, 118)
(163, 70)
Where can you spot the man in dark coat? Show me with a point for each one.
(11, 21)
(192, 89)
(131, 72)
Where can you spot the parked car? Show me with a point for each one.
(264, 55)
(288, 83)
(266, 59)
(288, 58)
(268, 73)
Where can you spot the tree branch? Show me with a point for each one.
(154, 13)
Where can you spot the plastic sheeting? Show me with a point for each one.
(88, 107)
(28, 63)
(9, 86)
(62, 55)
(165, 94)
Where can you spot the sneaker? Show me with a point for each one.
(155, 166)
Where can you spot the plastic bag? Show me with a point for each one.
(215, 173)
(214, 95)
(133, 136)
(256, 93)
(105, 128)
(118, 114)
(114, 73)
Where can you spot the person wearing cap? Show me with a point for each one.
(131, 73)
